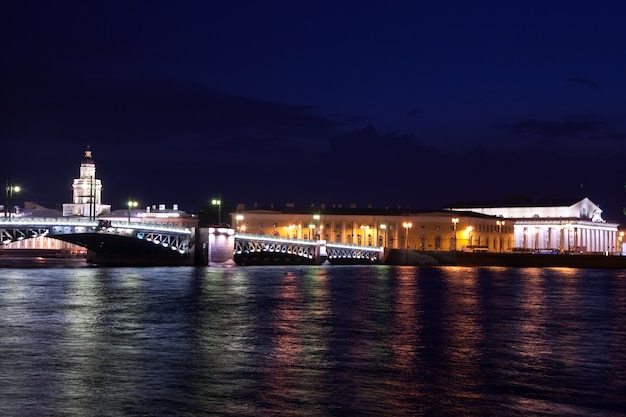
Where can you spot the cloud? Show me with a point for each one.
(584, 81)
(552, 129)
(61, 107)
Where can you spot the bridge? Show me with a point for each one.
(124, 243)
(263, 249)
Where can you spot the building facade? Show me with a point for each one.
(574, 227)
(391, 228)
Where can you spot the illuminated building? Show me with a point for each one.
(87, 192)
(569, 226)
(154, 215)
(428, 231)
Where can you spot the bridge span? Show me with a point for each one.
(124, 243)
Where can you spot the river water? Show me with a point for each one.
(312, 341)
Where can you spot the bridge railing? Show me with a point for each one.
(46, 220)
(252, 236)
(79, 221)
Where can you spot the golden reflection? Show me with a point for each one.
(405, 342)
(462, 319)
(405, 323)
(533, 338)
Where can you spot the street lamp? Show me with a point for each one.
(238, 217)
(455, 220)
(131, 204)
(407, 226)
(218, 202)
(500, 223)
(317, 217)
(9, 190)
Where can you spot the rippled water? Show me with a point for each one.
(312, 341)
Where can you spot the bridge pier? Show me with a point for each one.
(214, 246)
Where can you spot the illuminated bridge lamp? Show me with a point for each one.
(131, 204)
(9, 190)
(218, 202)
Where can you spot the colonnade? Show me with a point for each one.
(586, 237)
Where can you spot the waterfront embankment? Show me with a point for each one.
(520, 260)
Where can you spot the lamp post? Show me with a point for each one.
(131, 204)
(500, 223)
(455, 220)
(318, 235)
(9, 190)
(238, 217)
(407, 226)
(218, 202)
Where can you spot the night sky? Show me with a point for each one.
(411, 103)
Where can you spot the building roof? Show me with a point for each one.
(518, 201)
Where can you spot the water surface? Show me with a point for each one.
(312, 341)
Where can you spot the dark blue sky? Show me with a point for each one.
(384, 103)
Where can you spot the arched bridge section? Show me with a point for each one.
(343, 254)
(104, 237)
(251, 249)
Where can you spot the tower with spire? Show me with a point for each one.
(87, 192)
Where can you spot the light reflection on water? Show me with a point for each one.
(312, 341)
